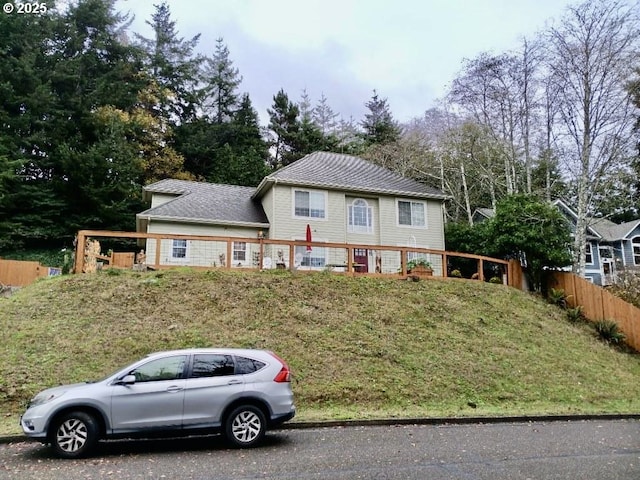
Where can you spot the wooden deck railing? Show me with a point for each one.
(216, 251)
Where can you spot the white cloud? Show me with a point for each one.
(407, 50)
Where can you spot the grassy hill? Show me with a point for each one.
(358, 347)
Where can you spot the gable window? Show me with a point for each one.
(589, 254)
(239, 251)
(179, 249)
(411, 214)
(360, 217)
(309, 204)
(635, 245)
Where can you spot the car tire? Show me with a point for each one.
(245, 426)
(74, 435)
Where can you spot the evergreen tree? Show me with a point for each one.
(324, 116)
(231, 152)
(306, 112)
(222, 83)
(285, 127)
(173, 66)
(378, 124)
(66, 66)
(252, 152)
(25, 101)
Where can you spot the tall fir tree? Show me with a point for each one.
(324, 116)
(284, 124)
(173, 65)
(222, 82)
(378, 124)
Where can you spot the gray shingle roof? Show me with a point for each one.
(612, 231)
(346, 172)
(207, 203)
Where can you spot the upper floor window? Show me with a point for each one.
(179, 249)
(360, 217)
(588, 254)
(635, 244)
(309, 204)
(411, 214)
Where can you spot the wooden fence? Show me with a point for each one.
(598, 304)
(218, 252)
(19, 273)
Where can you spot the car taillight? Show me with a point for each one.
(284, 375)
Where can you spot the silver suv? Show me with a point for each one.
(240, 393)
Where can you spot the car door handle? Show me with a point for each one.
(174, 389)
(234, 382)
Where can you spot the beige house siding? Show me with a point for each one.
(372, 238)
(392, 233)
(334, 227)
(201, 253)
(161, 198)
(268, 206)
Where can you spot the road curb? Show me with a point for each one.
(418, 421)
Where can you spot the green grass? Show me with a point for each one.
(358, 347)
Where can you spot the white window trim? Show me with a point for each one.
(589, 252)
(325, 195)
(184, 259)
(246, 250)
(409, 200)
(370, 229)
(635, 241)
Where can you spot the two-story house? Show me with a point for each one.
(332, 197)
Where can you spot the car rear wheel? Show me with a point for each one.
(74, 435)
(245, 426)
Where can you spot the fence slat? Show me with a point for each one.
(598, 304)
(20, 273)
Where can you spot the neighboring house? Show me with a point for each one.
(482, 214)
(343, 199)
(610, 247)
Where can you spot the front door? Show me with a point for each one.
(360, 260)
(608, 266)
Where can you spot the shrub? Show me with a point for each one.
(496, 280)
(557, 297)
(455, 273)
(610, 332)
(575, 314)
(627, 287)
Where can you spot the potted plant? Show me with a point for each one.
(419, 266)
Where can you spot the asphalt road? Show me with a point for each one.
(593, 450)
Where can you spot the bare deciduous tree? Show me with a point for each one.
(590, 61)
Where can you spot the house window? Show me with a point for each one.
(179, 249)
(239, 251)
(309, 204)
(316, 258)
(360, 217)
(635, 245)
(411, 214)
(589, 254)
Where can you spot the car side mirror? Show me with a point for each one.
(127, 380)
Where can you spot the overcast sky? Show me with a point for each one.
(408, 50)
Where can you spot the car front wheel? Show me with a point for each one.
(74, 435)
(245, 426)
